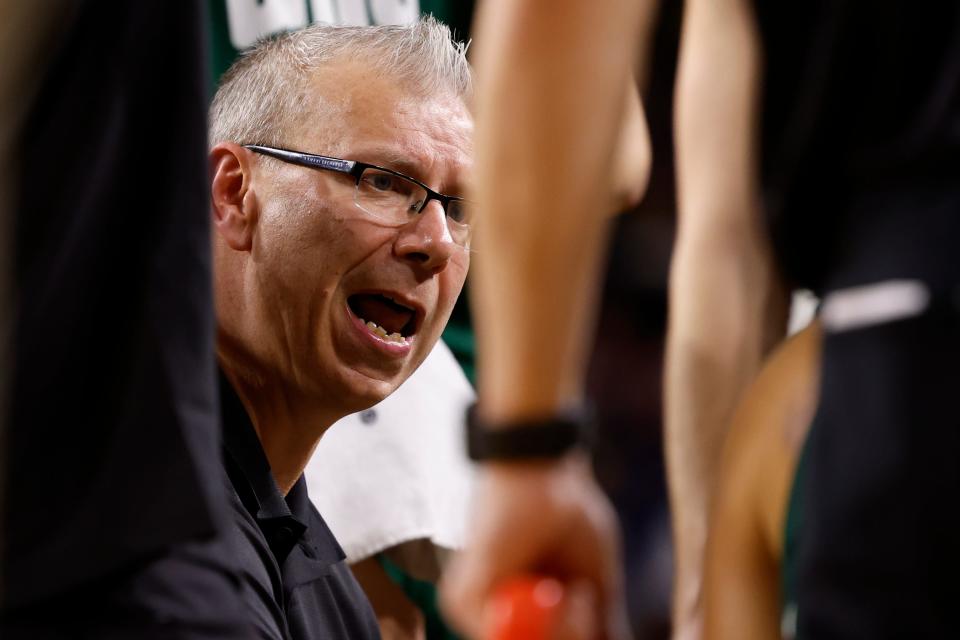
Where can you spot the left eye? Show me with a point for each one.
(386, 183)
(383, 182)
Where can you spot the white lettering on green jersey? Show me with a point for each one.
(248, 20)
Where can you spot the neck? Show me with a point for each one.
(288, 422)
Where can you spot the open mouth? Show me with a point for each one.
(385, 317)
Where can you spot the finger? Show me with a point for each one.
(577, 618)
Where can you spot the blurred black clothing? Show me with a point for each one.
(176, 595)
(861, 139)
(296, 582)
(112, 474)
(877, 554)
(861, 177)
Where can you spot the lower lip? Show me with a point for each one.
(389, 347)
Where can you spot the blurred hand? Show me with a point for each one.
(547, 518)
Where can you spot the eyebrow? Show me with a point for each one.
(391, 158)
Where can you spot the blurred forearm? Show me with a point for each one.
(725, 316)
(550, 100)
(728, 305)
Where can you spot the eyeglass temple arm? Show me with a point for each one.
(309, 160)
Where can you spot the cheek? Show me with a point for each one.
(301, 258)
(452, 284)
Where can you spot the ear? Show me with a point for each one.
(233, 201)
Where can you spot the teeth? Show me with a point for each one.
(377, 329)
(381, 332)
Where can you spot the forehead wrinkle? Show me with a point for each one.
(440, 142)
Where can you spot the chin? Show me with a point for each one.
(362, 392)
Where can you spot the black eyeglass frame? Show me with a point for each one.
(354, 168)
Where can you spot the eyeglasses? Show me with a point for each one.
(383, 193)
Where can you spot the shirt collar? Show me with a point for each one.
(258, 490)
(285, 522)
(318, 542)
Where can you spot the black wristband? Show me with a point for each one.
(549, 438)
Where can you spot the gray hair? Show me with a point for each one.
(266, 88)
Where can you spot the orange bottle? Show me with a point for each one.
(525, 608)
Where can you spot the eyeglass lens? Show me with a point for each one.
(395, 199)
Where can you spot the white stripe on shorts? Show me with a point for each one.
(872, 304)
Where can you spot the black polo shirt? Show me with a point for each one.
(296, 583)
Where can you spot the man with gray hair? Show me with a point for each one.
(338, 160)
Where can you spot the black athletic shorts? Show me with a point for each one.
(879, 548)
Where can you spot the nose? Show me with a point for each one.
(426, 240)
